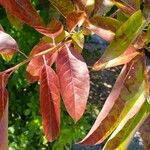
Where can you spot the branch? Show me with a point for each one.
(53, 49)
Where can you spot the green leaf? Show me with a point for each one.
(125, 35)
(78, 41)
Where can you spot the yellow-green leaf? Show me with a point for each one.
(125, 35)
(78, 41)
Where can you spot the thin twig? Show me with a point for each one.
(55, 48)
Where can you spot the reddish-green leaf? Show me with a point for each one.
(125, 93)
(126, 57)
(123, 134)
(135, 4)
(74, 81)
(8, 46)
(105, 27)
(75, 18)
(125, 7)
(107, 23)
(34, 66)
(50, 102)
(65, 7)
(125, 35)
(3, 112)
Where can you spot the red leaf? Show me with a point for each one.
(3, 113)
(125, 7)
(50, 102)
(53, 29)
(75, 18)
(74, 80)
(23, 10)
(3, 119)
(34, 67)
(103, 33)
(135, 4)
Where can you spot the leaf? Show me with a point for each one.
(65, 7)
(125, 93)
(147, 83)
(86, 5)
(146, 9)
(105, 27)
(14, 21)
(102, 7)
(145, 130)
(125, 35)
(23, 10)
(126, 57)
(8, 46)
(50, 102)
(3, 112)
(54, 29)
(74, 81)
(128, 126)
(35, 65)
(57, 39)
(78, 41)
(135, 4)
(107, 23)
(121, 16)
(75, 18)
(124, 7)
(103, 33)
(141, 40)
(98, 5)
